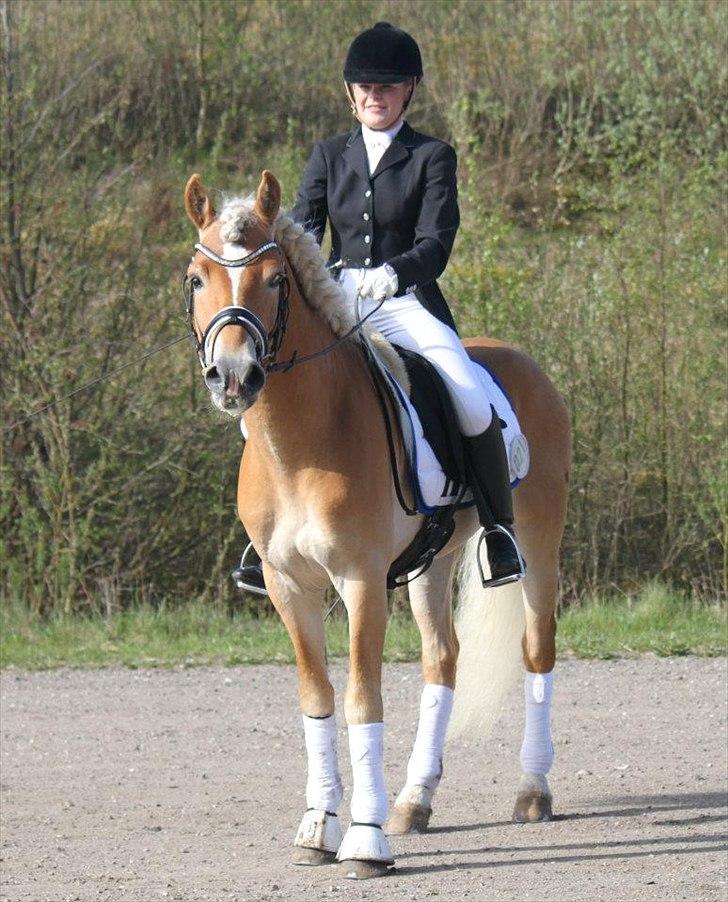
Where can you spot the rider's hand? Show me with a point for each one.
(379, 284)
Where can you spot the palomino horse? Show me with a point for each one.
(316, 497)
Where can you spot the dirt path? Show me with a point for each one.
(188, 784)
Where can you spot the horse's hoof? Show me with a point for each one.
(312, 857)
(532, 807)
(364, 853)
(407, 818)
(317, 839)
(353, 869)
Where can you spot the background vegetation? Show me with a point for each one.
(592, 144)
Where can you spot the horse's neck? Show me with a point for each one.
(298, 411)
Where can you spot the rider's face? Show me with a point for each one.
(380, 106)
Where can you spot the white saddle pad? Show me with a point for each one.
(432, 487)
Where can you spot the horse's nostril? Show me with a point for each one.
(213, 380)
(254, 378)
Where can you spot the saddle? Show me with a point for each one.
(431, 400)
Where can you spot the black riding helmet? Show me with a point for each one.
(383, 55)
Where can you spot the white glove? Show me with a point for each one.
(379, 284)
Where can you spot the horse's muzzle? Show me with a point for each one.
(234, 385)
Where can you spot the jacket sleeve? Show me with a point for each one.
(436, 226)
(311, 208)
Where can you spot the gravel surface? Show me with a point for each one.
(188, 784)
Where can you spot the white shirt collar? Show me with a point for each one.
(377, 142)
(376, 138)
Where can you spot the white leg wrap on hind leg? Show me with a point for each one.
(324, 789)
(537, 751)
(425, 763)
(369, 795)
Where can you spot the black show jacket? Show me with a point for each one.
(405, 213)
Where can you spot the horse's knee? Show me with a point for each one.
(363, 701)
(539, 644)
(316, 695)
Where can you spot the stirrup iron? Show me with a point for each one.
(491, 583)
(240, 583)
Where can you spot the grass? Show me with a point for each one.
(656, 620)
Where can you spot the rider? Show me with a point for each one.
(389, 195)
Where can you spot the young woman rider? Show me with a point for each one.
(389, 196)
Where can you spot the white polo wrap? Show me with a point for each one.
(369, 795)
(324, 789)
(537, 751)
(425, 763)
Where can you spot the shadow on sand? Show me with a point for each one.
(600, 850)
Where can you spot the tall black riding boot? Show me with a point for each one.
(249, 577)
(491, 485)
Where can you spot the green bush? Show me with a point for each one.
(591, 140)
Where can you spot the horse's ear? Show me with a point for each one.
(198, 204)
(268, 198)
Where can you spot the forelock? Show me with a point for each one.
(235, 217)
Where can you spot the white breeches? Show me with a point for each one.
(537, 751)
(404, 321)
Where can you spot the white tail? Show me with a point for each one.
(489, 625)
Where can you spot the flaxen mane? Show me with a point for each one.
(317, 287)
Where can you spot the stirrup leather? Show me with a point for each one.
(491, 583)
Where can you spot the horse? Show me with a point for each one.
(278, 343)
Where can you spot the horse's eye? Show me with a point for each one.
(276, 280)
(195, 283)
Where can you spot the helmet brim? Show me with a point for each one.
(378, 77)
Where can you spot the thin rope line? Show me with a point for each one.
(93, 382)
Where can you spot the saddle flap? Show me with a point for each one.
(431, 400)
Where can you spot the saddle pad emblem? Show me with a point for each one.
(519, 456)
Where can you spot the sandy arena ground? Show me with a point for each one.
(188, 784)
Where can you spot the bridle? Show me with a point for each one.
(267, 344)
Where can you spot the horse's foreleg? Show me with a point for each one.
(319, 834)
(534, 800)
(430, 601)
(365, 851)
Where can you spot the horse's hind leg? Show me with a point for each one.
(319, 834)
(430, 600)
(541, 549)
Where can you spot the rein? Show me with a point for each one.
(267, 344)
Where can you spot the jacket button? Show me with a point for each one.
(367, 239)
(368, 193)
(366, 217)
(367, 261)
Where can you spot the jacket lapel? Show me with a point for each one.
(398, 150)
(356, 154)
